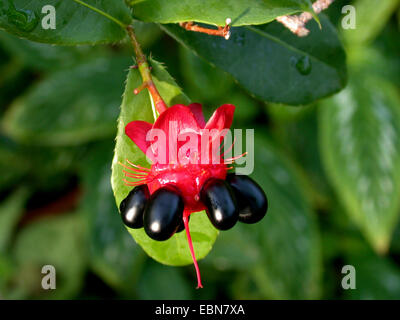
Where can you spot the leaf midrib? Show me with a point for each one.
(286, 45)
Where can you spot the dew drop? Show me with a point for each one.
(24, 20)
(302, 64)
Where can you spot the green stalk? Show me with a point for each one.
(141, 60)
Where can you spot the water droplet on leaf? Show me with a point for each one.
(303, 65)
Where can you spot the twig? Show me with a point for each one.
(220, 31)
(144, 70)
(141, 60)
(297, 24)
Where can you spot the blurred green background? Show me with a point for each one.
(58, 113)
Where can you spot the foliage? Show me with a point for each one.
(289, 70)
(215, 12)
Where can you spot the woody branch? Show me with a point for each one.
(220, 31)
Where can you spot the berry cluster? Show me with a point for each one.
(226, 201)
(184, 178)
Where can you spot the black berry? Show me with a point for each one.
(132, 207)
(220, 202)
(251, 199)
(163, 213)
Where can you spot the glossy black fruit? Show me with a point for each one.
(163, 213)
(132, 207)
(220, 202)
(251, 199)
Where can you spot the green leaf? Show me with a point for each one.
(12, 165)
(203, 82)
(174, 251)
(288, 236)
(371, 17)
(235, 249)
(297, 131)
(41, 56)
(213, 87)
(395, 245)
(248, 108)
(156, 281)
(13, 79)
(10, 211)
(147, 33)
(215, 12)
(6, 270)
(40, 168)
(50, 168)
(376, 278)
(359, 130)
(57, 241)
(75, 23)
(113, 254)
(71, 106)
(274, 64)
(376, 59)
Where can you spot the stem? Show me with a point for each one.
(144, 70)
(220, 31)
(196, 266)
(141, 60)
(104, 14)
